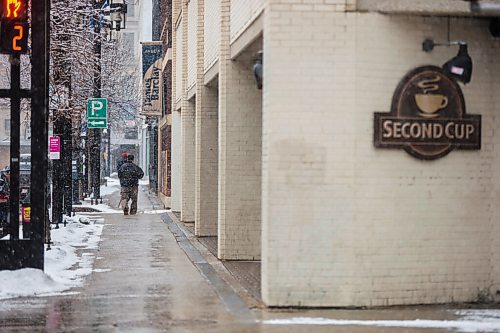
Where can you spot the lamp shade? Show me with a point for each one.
(258, 69)
(460, 66)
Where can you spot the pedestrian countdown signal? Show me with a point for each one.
(15, 10)
(14, 27)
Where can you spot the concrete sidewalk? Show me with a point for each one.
(242, 276)
(142, 281)
(152, 275)
(246, 273)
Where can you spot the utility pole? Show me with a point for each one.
(95, 133)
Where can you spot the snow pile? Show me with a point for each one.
(156, 211)
(480, 321)
(26, 282)
(100, 209)
(479, 315)
(112, 186)
(66, 264)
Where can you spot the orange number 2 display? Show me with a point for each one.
(18, 36)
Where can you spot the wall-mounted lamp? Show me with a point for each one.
(258, 69)
(117, 14)
(460, 66)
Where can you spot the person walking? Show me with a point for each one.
(129, 175)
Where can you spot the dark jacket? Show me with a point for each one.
(129, 174)
(120, 163)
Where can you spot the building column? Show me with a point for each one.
(188, 160)
(206, 142)
(176, 192)
(206, 161)
(176, 162)
(240, 155)
(187, 130)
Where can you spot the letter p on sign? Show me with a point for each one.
(96, 108)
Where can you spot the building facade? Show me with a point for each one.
(294, 175)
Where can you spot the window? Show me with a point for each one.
(131, 133)
(7, 126)
(131, 8)
(128, 42)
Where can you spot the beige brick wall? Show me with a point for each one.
(240, 128)
(495, 192)
(347, 224)
(206, 142)
(176, 162)
(212, 32)
(178, 64)
(206, 161)
(243, 12)
(176, 116)
(187, 139)
(188, 161)
(192, 24)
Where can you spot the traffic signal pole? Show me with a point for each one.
(39, 115)
(95, 133)
(15, 122)
(18, 253)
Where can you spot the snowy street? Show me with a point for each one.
(107, 272)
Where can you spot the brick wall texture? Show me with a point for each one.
(206, 177)
(211, 32)
(240, 151)
(178, 62)
(298, 180)
(242, 13)
(192, 46)
(176, 117)
(187, 129)
(345, 224)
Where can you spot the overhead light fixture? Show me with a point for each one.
(460, 66)
(258, 69)
(484, 8)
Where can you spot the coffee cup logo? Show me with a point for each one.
(427, 103)
(427, 118)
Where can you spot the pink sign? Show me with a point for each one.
(54, 147)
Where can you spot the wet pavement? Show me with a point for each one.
(152, 275)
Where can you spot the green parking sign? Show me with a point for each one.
(97, 116)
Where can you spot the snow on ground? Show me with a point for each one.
(112, 185)
(65, 266)
(469, 321)
(102, 208)
(157, 211)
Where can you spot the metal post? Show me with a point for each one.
(95, 133)
(57, 176)
(66, 155)
(39, 115)
(108, 168)
(15, 121)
